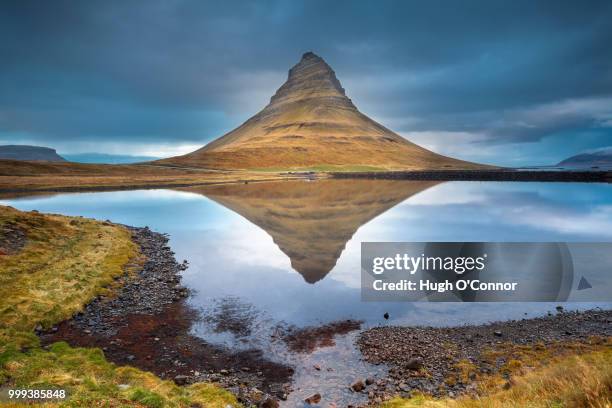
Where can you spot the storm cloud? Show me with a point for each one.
(161, 77)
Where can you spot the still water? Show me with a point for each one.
(287, 254)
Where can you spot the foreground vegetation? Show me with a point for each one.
(579, 376)
(50, 267)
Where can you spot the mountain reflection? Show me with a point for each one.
(311, 222)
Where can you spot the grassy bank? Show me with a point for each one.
(318, 169)
(50, 267)
(19, 176)
(565, 375)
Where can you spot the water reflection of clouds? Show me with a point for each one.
(253, 246)
(231, 256)
(470, 211)
(474, 211)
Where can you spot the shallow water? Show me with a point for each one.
(269, 257)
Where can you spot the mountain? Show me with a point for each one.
(311, 123)
(24, 152)
(105, 158)
(311, 222)
(599, 158)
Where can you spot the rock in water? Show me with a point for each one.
(313, 399)
(311, 122)
(358, 386)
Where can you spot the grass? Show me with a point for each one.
(65, 262)
(20, 176)
(93, 381)
(580, 376)
(321, 168)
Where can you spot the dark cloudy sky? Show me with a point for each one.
(514, 83)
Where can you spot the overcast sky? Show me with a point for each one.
(511, 83)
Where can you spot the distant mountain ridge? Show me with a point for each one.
(600, 157)
(311, 123)
(33, 153)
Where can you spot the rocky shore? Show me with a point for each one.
(448, 360)
(148, 291)
(146, 323)
(592, 176)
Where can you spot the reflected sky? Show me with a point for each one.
(232, 257)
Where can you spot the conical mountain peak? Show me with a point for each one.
(310, 78)
(311, 123)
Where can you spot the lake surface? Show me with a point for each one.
(286, 255)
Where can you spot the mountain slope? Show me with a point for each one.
(311, 123)
(24, 152)
(602, 157)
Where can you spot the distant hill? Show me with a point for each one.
(599, 158)
(24, 152)
(103, 158)
(310, 123)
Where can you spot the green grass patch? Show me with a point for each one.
(64, 263)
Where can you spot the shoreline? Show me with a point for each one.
(146, 323)
(450, 361)
(37, 177)
(509, 175)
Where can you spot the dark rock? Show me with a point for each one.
(497, 333)
(181, 379)
(358, 386)
(313, 399)
(269, 403)
(414, 364)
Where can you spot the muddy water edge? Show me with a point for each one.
(146, 324)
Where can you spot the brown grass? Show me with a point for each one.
(20, 176)
(571, 375)
(63, 265)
